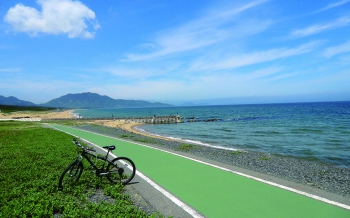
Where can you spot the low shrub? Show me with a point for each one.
(186, 147)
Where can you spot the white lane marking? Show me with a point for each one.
(174, 199)
(241, 174)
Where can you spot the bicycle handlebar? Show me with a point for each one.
(77, 143)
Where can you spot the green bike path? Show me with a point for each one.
(211, 191)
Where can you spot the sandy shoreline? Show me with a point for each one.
(127, 126)
(39, 114)
(122, 124)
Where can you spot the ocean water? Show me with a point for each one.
(314, 131)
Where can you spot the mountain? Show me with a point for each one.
(93, 100)
(14, 101)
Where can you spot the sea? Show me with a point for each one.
(318, 131)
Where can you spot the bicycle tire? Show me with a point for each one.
(121, 169)
(70, 175)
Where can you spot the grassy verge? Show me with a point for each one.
(186, 147)
(32, 159)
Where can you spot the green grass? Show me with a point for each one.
(126, 136)
(144, 140)
(264, 158)
(32, 159)
(186, 147)
(236, 152)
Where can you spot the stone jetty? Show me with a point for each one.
(151, 120)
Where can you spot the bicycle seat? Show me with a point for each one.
(111, 147)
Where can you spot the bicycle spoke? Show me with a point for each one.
(70, 175)
(121, 170)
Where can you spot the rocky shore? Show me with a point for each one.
(329, 178)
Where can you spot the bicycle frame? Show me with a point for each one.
(119, 169)
(87, 156)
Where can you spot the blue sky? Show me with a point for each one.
(214, 52)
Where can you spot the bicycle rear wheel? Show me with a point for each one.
(70, 175)
(121, 169)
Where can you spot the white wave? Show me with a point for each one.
(185, 140)
(209, 145)
(139, 129)
(76, 115)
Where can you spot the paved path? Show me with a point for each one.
(211, 191)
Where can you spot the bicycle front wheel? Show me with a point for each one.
(121, 169)
(70, 175)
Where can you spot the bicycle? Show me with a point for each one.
(120, 169)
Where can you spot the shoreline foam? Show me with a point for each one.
(139, 130)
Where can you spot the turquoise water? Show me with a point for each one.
(315, 131)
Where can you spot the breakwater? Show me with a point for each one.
(150, 120)
(200, 119)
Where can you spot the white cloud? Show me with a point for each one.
(314, 29)
(331, 51)
(9, 70)
(212, 28)
(241, 60)
(40, 89)
(344, 60)
(226, 84)
(56, 17)
(267, 72)
(283, 76)
(333, 5)
(132, 72)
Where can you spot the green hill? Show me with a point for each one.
(92, 100)
(14, 101)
